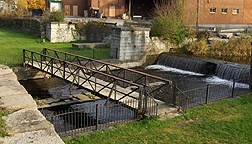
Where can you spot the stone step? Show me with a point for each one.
(89, 45)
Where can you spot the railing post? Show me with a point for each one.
(115, 88)
(207, 93)
(97, 116)
(32, 58)
(41, 58)
(124, 77)
(140, 98)
(145, 94)
(64, 70)
(233, 89)
(93, 53)
(95, 82)
(174, 95)
(52, 65)
(44, 52)
(23, 57)
(187, 104)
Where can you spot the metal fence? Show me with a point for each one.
(92, 117)
(210, 93)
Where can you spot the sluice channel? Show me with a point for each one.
(194, 77)
(69, 117)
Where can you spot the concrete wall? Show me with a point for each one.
(61, 32)
(134, 44)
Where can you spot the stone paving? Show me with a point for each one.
(24, 124)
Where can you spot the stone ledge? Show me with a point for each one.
(16, 102)
(26, 120)
(8, 90)
(88, 45)
(47, 136)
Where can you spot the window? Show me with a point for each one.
(235, 11)
(212, 10)
(224, 10)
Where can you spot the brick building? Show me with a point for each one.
(222, 11)
(108, 8)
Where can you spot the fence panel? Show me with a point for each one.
(92, 117)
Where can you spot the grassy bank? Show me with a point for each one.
(12, 43)
(228, 121)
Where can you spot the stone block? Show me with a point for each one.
(46, 136)
(16, 102)
(8, 90)
(7, 77)
(26, 120)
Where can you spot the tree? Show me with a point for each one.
(37, 4)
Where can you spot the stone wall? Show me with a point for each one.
(134, 44)
(65, 32)
(61, 32)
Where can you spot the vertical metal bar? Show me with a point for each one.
(145, 93)
(44, 52)
(115, 88)
(72, 120)
(41, 61)
(68, 114)
(124, 77)
(207, 93)
(81, 120)
(233, 89)
(52, 65)
(84, 119)
(64, 70)
(97, 116)
(23, 57)
(32, 58)
(140, 98)
(75, 121)
(95, 81)
(187, 104)
(174, 95)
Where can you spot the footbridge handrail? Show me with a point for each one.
(60, 60)
(94, 60)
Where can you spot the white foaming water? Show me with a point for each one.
(217, 80)
(165, 68)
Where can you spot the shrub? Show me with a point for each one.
(198, 48)
(171, 29)
(82, 28)
(56, 16)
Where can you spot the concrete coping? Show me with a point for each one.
(129, 29)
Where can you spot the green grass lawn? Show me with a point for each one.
(12, 44)
(228, 121)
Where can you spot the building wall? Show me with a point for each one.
(247, 17)
(82, 5)
(207, 17)
(104, 6)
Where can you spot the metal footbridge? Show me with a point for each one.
(101, 78)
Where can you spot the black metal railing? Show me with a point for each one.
(211, 93)
(86, 118)
(86, 77)
(151, 84)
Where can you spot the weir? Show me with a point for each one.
(223, 70)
